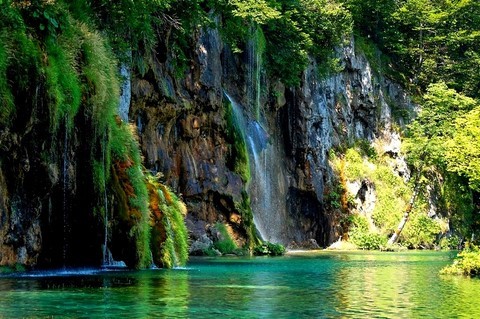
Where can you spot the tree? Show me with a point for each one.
(444, 139)
(435, 125)
(257, 11)
(462, 152)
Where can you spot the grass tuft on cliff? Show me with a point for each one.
(238, 159)
(225, 243)
(169, 235)
(128, 170)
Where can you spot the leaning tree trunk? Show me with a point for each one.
(404, 220)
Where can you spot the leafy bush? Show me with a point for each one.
(312, 27)
(420, 231)
(360, 235)
(450, 242)
(393, 194)
(466, 263)
(270, 249)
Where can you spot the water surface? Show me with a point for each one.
(301, 285)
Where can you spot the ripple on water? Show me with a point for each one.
(314, 285)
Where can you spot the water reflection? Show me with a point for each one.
(313, 285)
(406, 286)
(107, 295)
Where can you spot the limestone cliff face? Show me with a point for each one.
(356, 103)
(44, 180)
(184, 134)
(182, 128)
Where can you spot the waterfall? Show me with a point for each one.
(65, 195)
(126, 93)
(267, 187)
(112, 263)
(123, 109)
(105, 203)
(254, 66)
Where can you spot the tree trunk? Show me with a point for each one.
(409, 208)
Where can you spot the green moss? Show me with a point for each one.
(63, 83)
(101, 75)
(225, 244)
(245, 210)
(175, 212)
(20, 66)
(127, 159)
(7, 107)
(239, 160)
(169, 233)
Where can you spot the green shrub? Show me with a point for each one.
(450, 242)
(362, 163)
(466, 263)
(420, 231)
(360, 235)
(313, 28)
(355, 167)
(270, 249)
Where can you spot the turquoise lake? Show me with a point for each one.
(300, 285)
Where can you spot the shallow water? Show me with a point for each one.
(301, 285)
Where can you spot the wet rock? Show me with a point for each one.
(200, 246)
(307, 244)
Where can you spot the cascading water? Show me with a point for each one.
(123, 109)
(126, 93)
(65, 193)
(267, 187)
(255, 48)
(105, 261)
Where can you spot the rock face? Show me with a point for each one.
(183, 133)
(356, 103)
(42, 192)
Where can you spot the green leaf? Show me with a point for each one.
(54, 22)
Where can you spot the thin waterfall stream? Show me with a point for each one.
(65, 195)
(105, 261)
(267, 187)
